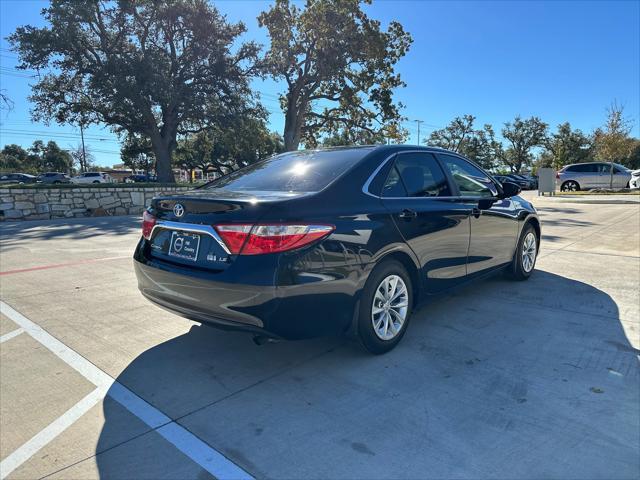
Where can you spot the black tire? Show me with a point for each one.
(95, 181)
(365, 328)
(570, 186)
(517, 270)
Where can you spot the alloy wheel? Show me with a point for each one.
(529, 251)
(390, 306)
(570, 187)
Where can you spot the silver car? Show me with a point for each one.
(585, 176)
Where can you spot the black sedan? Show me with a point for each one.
(523, 183)
(345, 240)
(139, 178)
(17, 178)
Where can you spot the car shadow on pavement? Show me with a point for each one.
(499, 379)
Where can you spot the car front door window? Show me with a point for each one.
(471, 181)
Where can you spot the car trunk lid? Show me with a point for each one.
(184, 230)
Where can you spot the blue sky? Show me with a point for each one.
(561, 61)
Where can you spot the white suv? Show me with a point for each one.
(635, 179)
(584, 176)
(93, 177)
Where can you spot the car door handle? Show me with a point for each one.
(406, 213)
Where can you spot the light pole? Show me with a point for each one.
(418, 122)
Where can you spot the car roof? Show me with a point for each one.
(383, 147)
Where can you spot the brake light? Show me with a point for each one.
(269, 238)
(557, 174)
(148, 222)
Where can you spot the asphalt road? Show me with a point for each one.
(497, 380)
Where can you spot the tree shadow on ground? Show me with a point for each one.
(557, 210)
(499, 379)
(15, 233)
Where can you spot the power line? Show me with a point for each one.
(13, 131)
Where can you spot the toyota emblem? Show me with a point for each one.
(178, 210)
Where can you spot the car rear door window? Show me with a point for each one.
(471, 181)
(421, 175)
(393, 186)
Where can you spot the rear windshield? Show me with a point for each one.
(304, 171)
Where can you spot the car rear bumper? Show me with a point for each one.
(318, 304)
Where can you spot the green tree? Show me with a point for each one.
(50, 157)
(460, 136)
(144, 67)
(195, 152)
(633, 162)
(522, 136)
(338, 65)
(613, 141)
(244, 142)
(137, 153)
(14, 158)
(566, 146)
(356, 136)
(222, 150)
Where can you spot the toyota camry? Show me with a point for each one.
(332, 241)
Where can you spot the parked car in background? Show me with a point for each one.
(93, 177)
(585, 176)
(532, 178)
(527, 183)
(635, 179)
(54, 177)
(324, 242)
(17, 178)
(523, 183)
(140, 178)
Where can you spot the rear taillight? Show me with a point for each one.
(148, 222)
(269, 238)
(557, 174)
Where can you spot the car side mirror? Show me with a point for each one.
(486, 203)
(509, 190)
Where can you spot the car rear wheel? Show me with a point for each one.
(570, 186)
(95, 181)
(524, 260)
(385, 307)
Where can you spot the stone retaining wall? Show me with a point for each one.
(45, 203)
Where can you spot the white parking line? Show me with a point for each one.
(42, 438)
(200, 452)
(10, 335)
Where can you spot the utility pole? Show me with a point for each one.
(83, 167)
(419, 122)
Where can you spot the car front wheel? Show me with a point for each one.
(385, 307)
(524, 260)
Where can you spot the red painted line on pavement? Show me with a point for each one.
(59, 265)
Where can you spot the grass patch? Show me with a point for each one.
(586, 193)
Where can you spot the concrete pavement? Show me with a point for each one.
(499, 379)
